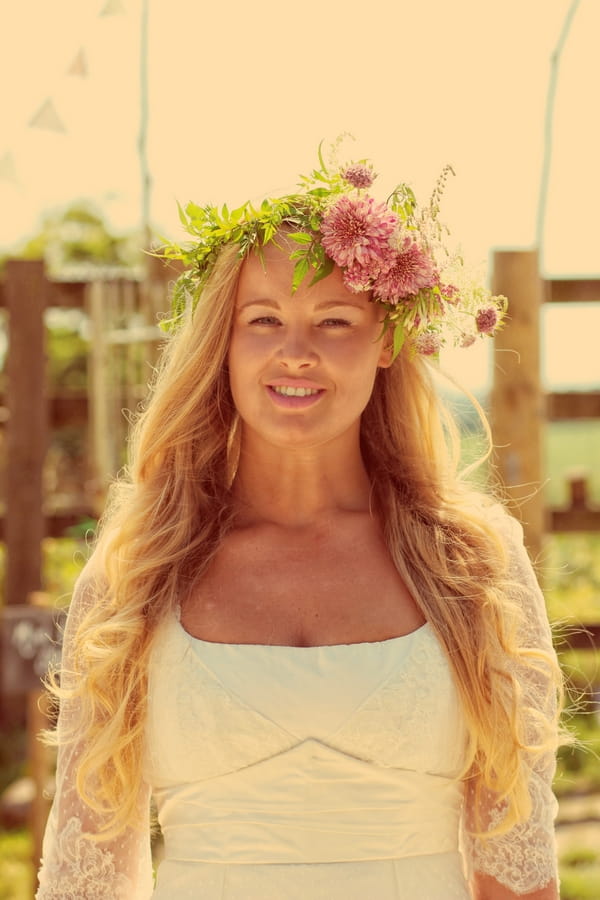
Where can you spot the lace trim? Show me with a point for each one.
(81, 870)
(522, 859)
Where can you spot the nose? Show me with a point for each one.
(296, 350)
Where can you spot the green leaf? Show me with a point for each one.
(399, 338)
(300, 270)
(300, 237)
(270, 230)
(325, 268)
(197, 212)
(182, 216)
(236, 215)
(320, 155)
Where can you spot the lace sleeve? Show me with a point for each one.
(522, 859)
(75, 866)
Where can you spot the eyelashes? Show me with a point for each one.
(265, 320)
(273, 321)
(343, 323)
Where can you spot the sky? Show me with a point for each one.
(240, 95)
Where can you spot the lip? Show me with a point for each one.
(295, 383)
(285, 402)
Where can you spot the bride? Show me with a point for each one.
(323, 654)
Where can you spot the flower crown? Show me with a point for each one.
(393, 250)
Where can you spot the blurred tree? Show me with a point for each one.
(76, 241)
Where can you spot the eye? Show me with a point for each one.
(335, 323)
(265, 320)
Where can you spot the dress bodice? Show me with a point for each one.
(266, 754)
(230, 706)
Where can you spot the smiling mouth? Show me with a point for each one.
(288, 391)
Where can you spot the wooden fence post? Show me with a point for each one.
(517, 400)
(26, 428)
(100, 392)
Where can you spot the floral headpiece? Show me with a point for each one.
(393, 250)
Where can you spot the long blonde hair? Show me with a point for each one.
(168, 513)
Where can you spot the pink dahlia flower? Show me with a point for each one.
(357, 279)
(487, 319)
(411, 270)
(356, 231)
(359, 175)
(428, 344)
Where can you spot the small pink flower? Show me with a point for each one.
(450, 293)
(410, 271)
(356, 231)
(357, 279)
(467, 340)
(487, 319)
(359, 175)
(428, 344)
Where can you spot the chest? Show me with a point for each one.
(218, 708)
(301, 589)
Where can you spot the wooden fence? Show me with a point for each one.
(124, 340)
(521, 410)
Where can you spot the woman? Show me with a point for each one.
(324, 655)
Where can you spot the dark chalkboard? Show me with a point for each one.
(30, 640)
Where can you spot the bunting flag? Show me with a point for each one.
(79, 66)
(46, 117)
(112, 8)
(8, 170)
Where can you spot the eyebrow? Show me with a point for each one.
(325, 304)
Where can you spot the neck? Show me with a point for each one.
(297, 488)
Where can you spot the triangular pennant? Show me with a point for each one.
(112, 8)
(79, 66)
(8, 171)
(47, 117)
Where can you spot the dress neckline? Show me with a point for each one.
(387, 642)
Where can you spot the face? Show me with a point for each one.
(301, 366)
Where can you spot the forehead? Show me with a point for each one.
(269, 275)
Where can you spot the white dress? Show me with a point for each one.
(303, 772)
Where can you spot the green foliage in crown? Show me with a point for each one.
(392, 250)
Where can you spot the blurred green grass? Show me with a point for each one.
(571, 448)
(16, 871)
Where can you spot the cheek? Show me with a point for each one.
(245, 362)
(234, 366)
(240, 354)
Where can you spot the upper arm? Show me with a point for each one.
(77, 861)
(521, 862)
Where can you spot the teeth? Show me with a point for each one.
(294, 391)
